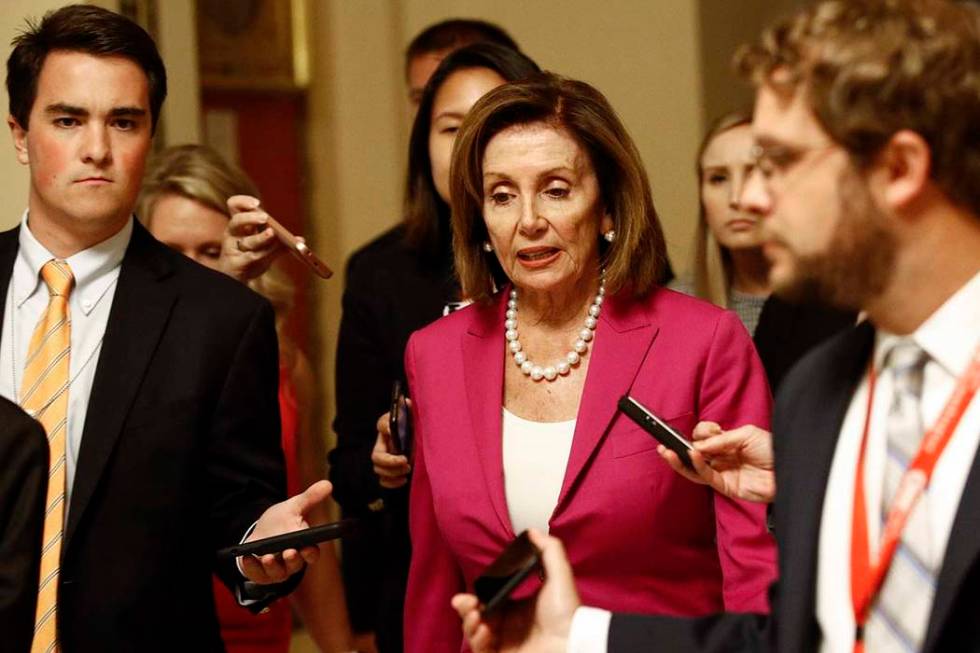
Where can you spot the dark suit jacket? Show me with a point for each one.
(180, 453)
(392, 290)
(786, 332)
(23, 488)
(809, 412)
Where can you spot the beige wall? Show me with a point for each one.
(725, 25)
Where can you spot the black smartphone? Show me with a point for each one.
(399, 423)
(294, 540)
(504, 574)
(664, 433)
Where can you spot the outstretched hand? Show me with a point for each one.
(285, 517)
(537, 625)
(736, 463)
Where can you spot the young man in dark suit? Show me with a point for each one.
(869, 192)
(160, 396)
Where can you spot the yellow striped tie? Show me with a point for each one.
(44, 394)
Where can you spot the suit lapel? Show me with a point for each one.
(810, 423)
(139, 313)
(621, 344)
(962, 553)
(483, 369)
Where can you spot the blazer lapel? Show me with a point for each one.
(483, 371)
(139, 313)
(962, 553)
(621, 344)
(8, 254)
(811, 436)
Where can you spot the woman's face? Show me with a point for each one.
(725, 166)
(542, 207)
(189, 227)
(454, 99)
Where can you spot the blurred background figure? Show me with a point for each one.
(558, 244)
(729, 268)
(395, 285)
(184, 204)
(430, 46)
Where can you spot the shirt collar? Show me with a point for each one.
(95, 268)
(950, 335)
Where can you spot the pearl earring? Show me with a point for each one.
(610, 236)
(487, 247)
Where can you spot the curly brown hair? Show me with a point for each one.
(871, 68)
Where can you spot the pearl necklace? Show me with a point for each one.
(572, 358)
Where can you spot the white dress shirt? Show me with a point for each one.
(950, 336)
(96, 270)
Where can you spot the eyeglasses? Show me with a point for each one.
(777, 163)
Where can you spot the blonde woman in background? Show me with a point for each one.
(184, 204)
(730, 268)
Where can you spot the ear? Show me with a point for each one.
(901, 169)
(606, 223)
(19, 135)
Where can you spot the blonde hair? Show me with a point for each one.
(713, 270)
(200, 174)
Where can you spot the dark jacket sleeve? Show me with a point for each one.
(246, 470)
(719, 633)
(23, 489)
(363, 378)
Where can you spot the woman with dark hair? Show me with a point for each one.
(730, 269)
(396, 284)
(557, 243)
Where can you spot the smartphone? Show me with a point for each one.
(664, 433)
(299, 249)
(504, 574)
(399, 423)
(294, 540)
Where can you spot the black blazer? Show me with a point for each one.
(180, 453)
(810, 409)
(392, 290)
(23, 489)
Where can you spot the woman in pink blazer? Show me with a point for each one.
(514, 397)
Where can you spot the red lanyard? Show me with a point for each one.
(868, 575)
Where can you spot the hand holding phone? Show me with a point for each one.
(399, 439)
(295, 540)
(663, 432)
(242, 241)
(501, 578)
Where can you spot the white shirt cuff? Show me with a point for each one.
(238, 563)
(590, 630)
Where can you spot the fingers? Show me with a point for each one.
(240, 203)
(728, 443)
(273, 567)
(553, 557)
(311, 497)
(706, 430)
(675, 463)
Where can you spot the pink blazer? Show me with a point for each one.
(640, 538)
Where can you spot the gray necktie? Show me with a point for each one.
(900, 615)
